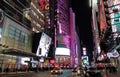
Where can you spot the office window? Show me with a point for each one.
(11, 32)
(22, 37)
(17, 34)
(26, 39)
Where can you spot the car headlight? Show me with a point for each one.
(78, 71)
(56, 71)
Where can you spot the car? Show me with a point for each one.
(94, 72)
(77, 71)
(57, 70)
(80, 71)
(74, 70)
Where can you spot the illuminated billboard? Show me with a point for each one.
(44, 45)
(103, 24)
(41, 44)
(25, 60)
(114, 6)
(44, 4)
(62, 51)
(85, 60)
(63, 41)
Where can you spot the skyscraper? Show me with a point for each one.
(66, 47)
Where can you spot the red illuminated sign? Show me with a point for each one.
(44, 4)
(103, 24)
(52, 61)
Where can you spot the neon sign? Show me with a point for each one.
(44, 4)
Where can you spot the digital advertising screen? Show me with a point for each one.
(62, 51)
(114, 7)
(112, 4)
(85, 60)
(114, 13)
(44, 45)
(24, 60)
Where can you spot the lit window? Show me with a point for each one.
(11, 32)
(17, 34)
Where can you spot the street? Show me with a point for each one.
(66, 73)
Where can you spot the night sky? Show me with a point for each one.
(83, 22)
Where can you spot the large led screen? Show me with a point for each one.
(114, 6)
(44, 45)
(62, 51)
(25, 60)
(63, 41)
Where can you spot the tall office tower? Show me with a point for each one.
(74, 41)
(62, 23)
(35, 14)
(15, 33)
(14, 9)
(95, 27)
(62, 32)
(15, 25)
(63, 17)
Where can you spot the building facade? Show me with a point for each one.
(74, 41)
(62, 31)
(66, 37)
(15, 35)
(19, 20)
(106, 28)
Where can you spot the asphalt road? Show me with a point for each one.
(66, 73)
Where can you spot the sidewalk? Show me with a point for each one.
(117, 74)
(114, 75)
(15, 74)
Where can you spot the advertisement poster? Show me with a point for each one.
(62, 51)
(114, 7)
(103, 24)
(44, 45)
